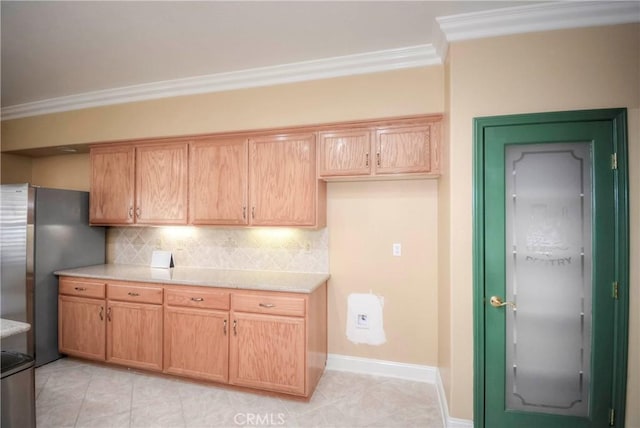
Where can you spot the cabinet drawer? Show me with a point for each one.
(81, 287)
(197, 298)
(268, 303)
(132, 293)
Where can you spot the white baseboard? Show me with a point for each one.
(414, 372)
(448, 421)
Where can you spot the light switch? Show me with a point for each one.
(397, 250)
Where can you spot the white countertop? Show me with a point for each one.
(204, 277)
(11, 327)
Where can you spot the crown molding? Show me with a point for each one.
(537, 17)
(498, 22)
(369, 62)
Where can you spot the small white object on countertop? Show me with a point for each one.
(11, 327)
(161, 259)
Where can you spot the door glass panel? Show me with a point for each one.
(548, 277)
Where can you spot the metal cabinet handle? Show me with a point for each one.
(497, 302)
(267, 305)
(101, 313)
(130, 212)
(131, 293)
(378, 158)
(80, 288)
(197, 299)
(253, 212)
(244, 213)
(109, 314)
(235, 329)
(366, 160)
(138, 212)
(224, 327)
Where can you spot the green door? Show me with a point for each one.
(550, 269)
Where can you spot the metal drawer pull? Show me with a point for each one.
(197, 299)
(224, 327)
(131, 293)
(267, 305)
(378, 158)
(101, 313)
(80, 289)
(235, 330)
(109, 314)
(130, 212)
(366, 161)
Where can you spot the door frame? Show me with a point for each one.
(618, 119)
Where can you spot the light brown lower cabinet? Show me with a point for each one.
(134, 325)
(134, 335)
(81, 327)
(82, 318)
(268, 352)
(279, 340)
(265, 340)
(196, 343)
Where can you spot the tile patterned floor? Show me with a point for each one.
(73, 393)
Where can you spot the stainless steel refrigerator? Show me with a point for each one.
(41, 231)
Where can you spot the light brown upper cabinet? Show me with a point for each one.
(253, 178)
(161, 183)
(345, 152)
(401, 149)
(112, 182)
(218, 179)
(283, 186)
(261, 181)
(145, 184)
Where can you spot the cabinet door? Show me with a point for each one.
(268, 352)
(134, 335)
(81, 327)
(283, 180)
(403, 150)
(218, 174)
(344, 153)
(161, 183)
(112, 184)
(196, 343)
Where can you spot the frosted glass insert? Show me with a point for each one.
(548, 277)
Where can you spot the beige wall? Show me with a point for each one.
(560, 70)
(57, 172)
(364, 220)
(62, 172)
(14, 169)
(403, 92)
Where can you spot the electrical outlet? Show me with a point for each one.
(362, 321)
(397, 250)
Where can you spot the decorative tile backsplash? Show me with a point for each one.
(275, 249)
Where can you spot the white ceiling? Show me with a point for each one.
(57, 49)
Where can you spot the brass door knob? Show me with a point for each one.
(497, 302)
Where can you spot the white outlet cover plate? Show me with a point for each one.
(397, 250)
